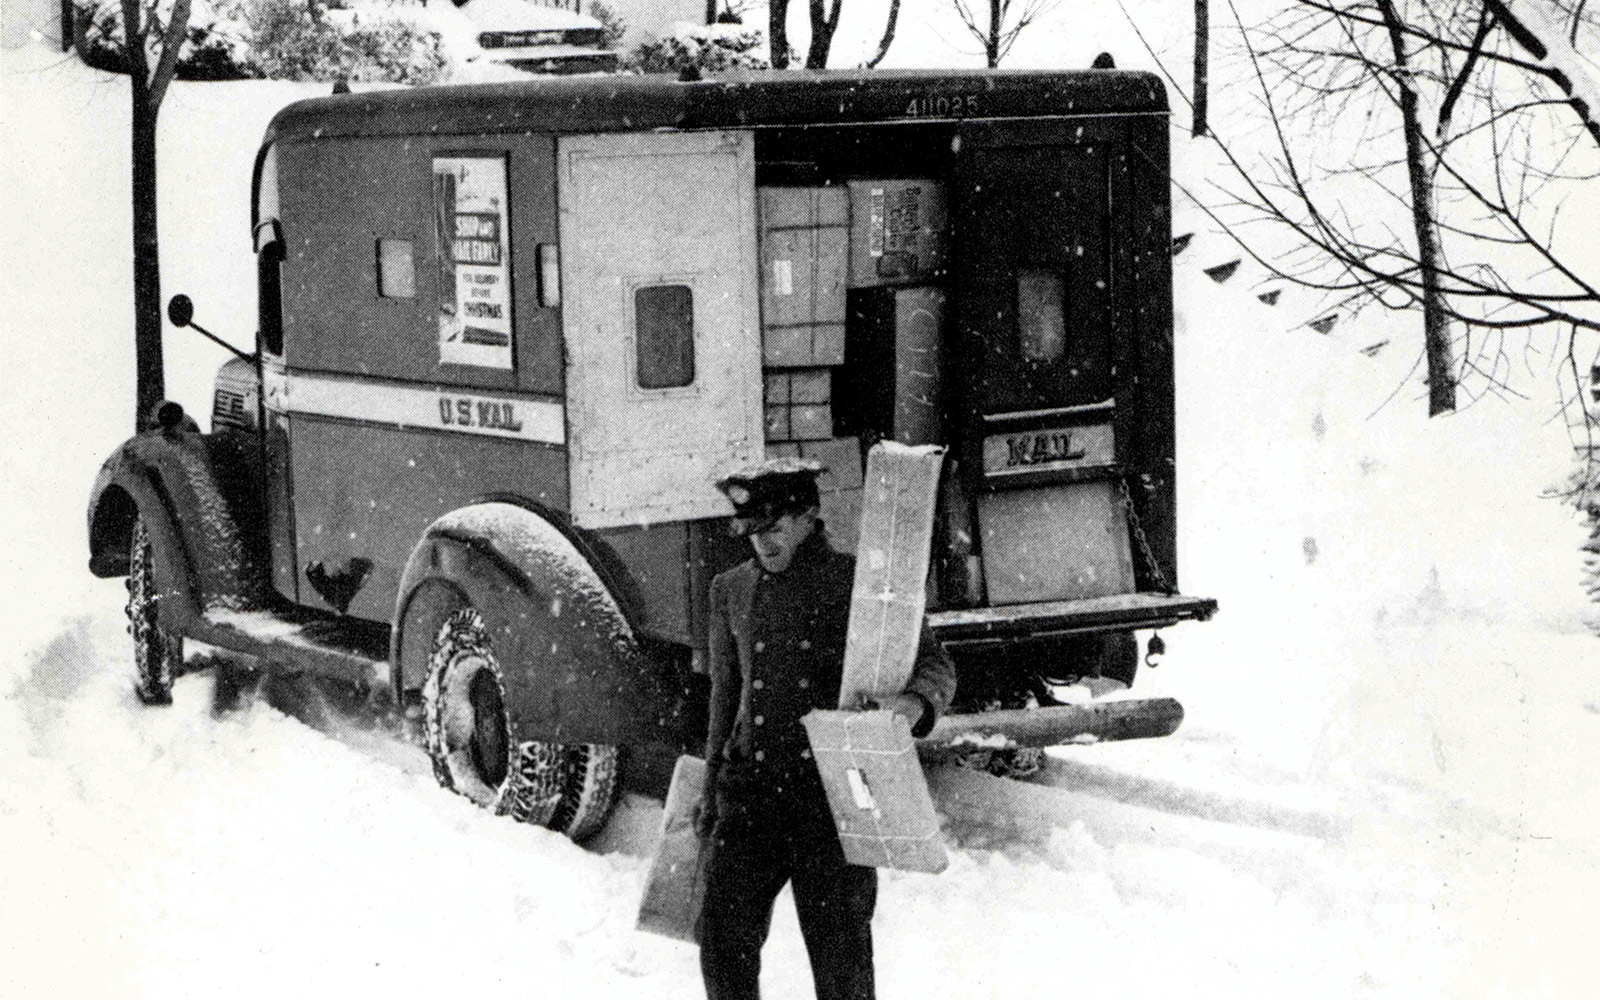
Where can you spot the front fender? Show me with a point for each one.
(175, 481)
(573, 669)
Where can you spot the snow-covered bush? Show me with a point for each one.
(216, 45)
(615, 27)
(292, 44)
(277, 39)
(701, 47)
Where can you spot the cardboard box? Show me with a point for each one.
(803, 207)
(775, 388)
(841, 458)
(675, 889)
(876, 790)
(810, 386)
(814, 346)
(803, 276)
(810, 422)
(897, 231)
(777, 423)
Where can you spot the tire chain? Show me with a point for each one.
(545, 782)
(152, 649)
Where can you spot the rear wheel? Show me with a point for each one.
(157, 653)
(566, 787)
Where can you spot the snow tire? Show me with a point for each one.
(568, 788)
(157, 653)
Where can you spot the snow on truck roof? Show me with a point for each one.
(635, 103)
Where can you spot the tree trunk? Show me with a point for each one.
(888, 35)
(1436, 326)
(823, 24)
(1202, 63)
(148, 365)
(991, 45)
(778, 33)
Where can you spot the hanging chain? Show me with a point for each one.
(1144, 542)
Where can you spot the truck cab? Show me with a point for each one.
(492, 316)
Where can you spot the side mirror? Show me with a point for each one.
(180, 310)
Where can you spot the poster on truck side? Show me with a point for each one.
(469, 205)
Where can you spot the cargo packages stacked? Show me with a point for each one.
(805, 250)
(847, 301)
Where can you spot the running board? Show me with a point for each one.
(1116, 613)
(1095, 722)
(342, 649)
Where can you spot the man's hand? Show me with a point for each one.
(705, 815)
(908, 706)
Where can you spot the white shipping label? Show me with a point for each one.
(470, 221)
(782, 277)
(858, 789)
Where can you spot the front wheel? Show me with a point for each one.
(566, 787)
(157, 653)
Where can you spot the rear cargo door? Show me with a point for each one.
(1039, 333)
(659, 280)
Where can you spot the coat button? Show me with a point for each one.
(805, 643)
(761, 720)
(761, 755)
(760, 646)
(805, 682)
(758, 684)
(805, 755)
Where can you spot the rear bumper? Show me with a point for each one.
(1116, 613)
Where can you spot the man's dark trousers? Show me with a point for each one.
(773, 829)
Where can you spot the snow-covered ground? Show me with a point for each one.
(1383, 787)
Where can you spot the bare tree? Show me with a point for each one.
(997, 23)
(824, 22)
(1382, 107)
(151, 39)
(888, 35)
(778, 32)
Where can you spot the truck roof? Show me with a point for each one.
(744, 100)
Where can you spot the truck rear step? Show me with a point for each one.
(1118, 612)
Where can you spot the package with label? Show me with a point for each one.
(675, 888)
(805, 252)
(897, 231)
(876, 790)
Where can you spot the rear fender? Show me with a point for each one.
(573, 669)
(171, 480)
